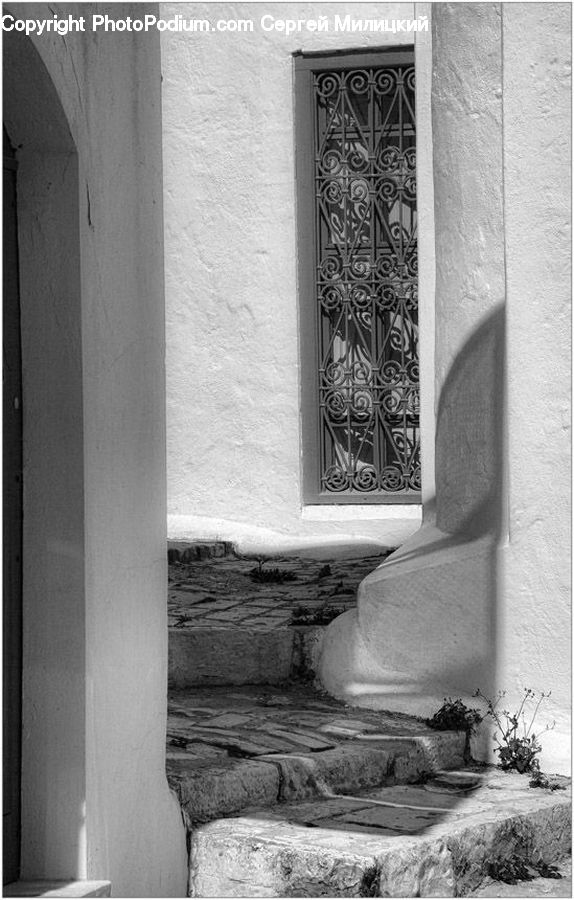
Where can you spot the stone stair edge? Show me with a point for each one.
(275, 855)
(193, 551)
(239, 657)
(206, 792)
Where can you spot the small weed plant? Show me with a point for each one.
(454, 715)
(540, 780)
(516, 868)
(517, 744)
(270, 576)
(303, 615)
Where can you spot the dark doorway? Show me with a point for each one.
(12, 534)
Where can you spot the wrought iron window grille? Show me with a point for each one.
(364, 286)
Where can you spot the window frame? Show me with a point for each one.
(305, 65)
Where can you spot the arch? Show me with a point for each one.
(53, 701)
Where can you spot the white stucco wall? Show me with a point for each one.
(231, 272)
(95, 800)
(536, 617)
(469, 187)
(480, 596)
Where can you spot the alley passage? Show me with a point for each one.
(284, 790)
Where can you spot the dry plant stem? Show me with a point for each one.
(516, 753)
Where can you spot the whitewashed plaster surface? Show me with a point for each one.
(536, 618)
(231, 273)
(95, 800)
(481, 598)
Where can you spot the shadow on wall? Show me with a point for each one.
(470, 435)
(470, 463)
(425, 626)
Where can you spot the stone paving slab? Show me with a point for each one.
(291, 705)
(215, 591)
(304, 743)
(384, 843)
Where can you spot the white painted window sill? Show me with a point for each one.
(411, 512)
(58, 889)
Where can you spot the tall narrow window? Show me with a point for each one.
(357, 201)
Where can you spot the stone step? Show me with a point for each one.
(443, 838)
(192, 551)
(207, 789)
(234, 620)
(231, 749)
(232, 656)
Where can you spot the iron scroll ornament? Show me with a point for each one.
(366, 280)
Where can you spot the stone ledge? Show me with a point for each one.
(58, 889)
(230, 748)
(194, 551)
(209, 656)
(211, 789)
(406, 841)
(206, 656)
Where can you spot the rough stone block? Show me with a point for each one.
(430, 753)
(308, 643)
(422, 871)
(219, 789)
(251, 858)
(205, 656)
(542, 834)
(346, 768)
(197, 550)
(336, 847)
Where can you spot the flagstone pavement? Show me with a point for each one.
(224, 592)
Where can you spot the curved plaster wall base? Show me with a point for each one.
(253, 539)
(420, 613)
(427, 627)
